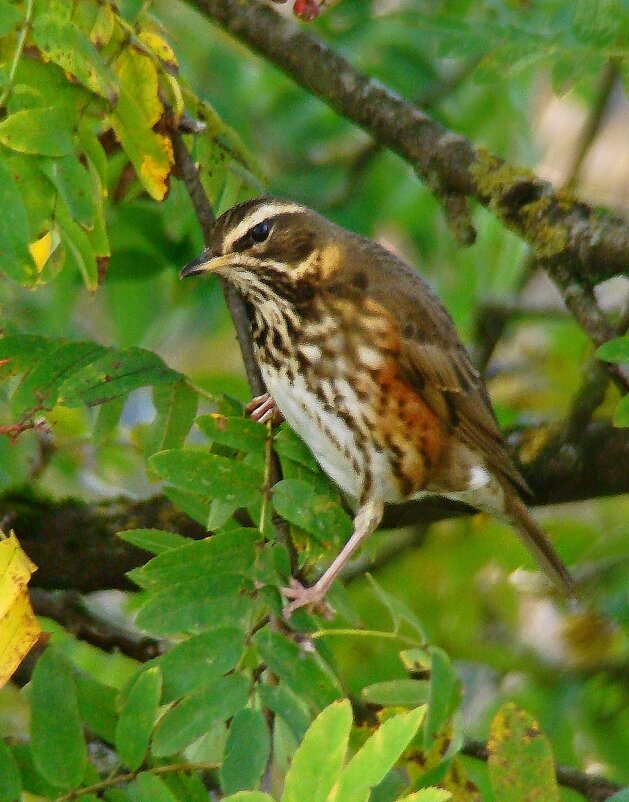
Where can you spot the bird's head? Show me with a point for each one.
(268, 245)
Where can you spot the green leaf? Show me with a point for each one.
(397, 692)
(42, 384)
(621, 413)
(117, 372)
(23, 351)
(196, 661)
(43, 131)
(373, 761)
(444, 692)
(176, 406)
(154, 540)
(11, 785)
(399, 612)
(9, 18)
(249, 796)
(241, 434)
(72, 181)
(188, 720)
(596, 21)
(138, 109)
(32, 780)
(318, 761)
(79, 248)
(210, 475)
(429, 795)
(59, 751)
(64, 44)
(107, 419)
(283, 702)
(616, 350)
(187, 787)
(225, 553)
(304, 672)
(196, 507)
(521, 765)
(15, 259)
(148, 788)
(97, 705)
(197, 604)
(137, 717)
(317, 514)
(246, 752)
(288, 445)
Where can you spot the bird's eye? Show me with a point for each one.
(260, 232)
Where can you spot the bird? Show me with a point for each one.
(364, 362)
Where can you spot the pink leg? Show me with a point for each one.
(367, 519)
(262, 409)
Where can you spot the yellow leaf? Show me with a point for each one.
(43, 248)
(103, 27)
(160, 48)
(139, 108)
(155, 172)
(19, 629)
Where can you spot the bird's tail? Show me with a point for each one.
(538, 544)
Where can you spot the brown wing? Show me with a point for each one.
(434, 361)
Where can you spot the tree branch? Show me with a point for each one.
(587, 135)
(205, 215)
(558, 471)
(559, 228)
(591, 786)
(68, 608)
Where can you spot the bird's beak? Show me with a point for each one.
(206, 263)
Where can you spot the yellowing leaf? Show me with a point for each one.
(154, 172)
(103, 27)
(139, 108)
(43, 248)
(160, 48)
(521, 767)
(19, 629)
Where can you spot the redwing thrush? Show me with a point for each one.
(365, 364)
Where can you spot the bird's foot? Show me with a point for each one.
(262, 409)
(301, 596)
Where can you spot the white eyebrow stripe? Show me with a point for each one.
(259, 215)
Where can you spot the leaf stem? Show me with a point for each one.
(18, 52)
(117, 779)
(364, 633)
(266, 484)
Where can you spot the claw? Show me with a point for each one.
(302, 596)
(262, 409)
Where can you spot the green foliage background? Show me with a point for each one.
(140, 381)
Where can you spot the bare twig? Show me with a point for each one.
(119, 779)
(591, 786)
(593, 389)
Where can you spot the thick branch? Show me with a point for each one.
(75, 544)
(558, 227)
(67, 607)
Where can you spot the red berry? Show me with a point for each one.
(308, 9)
